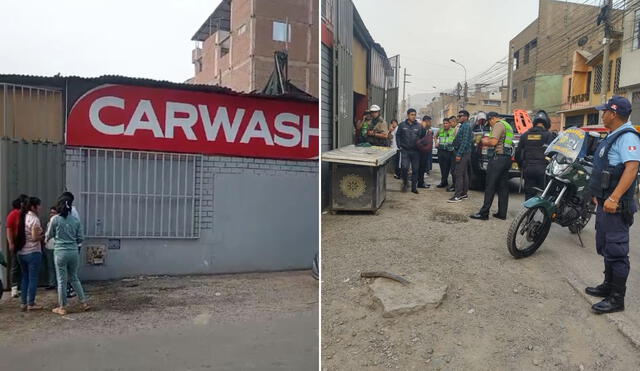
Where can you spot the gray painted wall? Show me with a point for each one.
(257, 215)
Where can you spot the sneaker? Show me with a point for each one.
(442, 186)
(14, 292)
(451, 189)
(454, 199)
(464, 197)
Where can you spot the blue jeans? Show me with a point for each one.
(30, 265)
(67, 262)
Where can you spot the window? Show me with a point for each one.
(132, 194)
(616, 80)
(636, 31)
(592, 118)
(609, 76)
(224, 46)
(514, 95)
(533, 43)
(525, 91)
(516, 60)
(597, 80)
(526, 54)
(495, 103)
(635, 107)
(281, 31)
(574, 121)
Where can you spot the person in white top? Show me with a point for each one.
(48, 253)
(393, 129)
(29, 246)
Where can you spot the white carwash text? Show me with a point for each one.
(184, 116)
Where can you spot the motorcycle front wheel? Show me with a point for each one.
(527, 232)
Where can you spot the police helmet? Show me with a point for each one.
(541, 117)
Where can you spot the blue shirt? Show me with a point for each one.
(464, 139)
(626, 148)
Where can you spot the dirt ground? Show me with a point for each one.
(499, 313)
(209, 311)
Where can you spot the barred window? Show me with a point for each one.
(609, 81)
(616, 81)
(597, 80)
(131, 194)
(636, 31)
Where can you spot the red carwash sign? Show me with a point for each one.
(168, 120)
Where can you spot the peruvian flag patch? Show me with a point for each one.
(632, 148)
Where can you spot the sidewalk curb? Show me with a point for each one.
(622, 322)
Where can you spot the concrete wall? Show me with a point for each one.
(257, 215)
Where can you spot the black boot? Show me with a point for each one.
(414, 187)
(604, 289)
(615, 301)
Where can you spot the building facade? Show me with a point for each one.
(168, 178)
(630, 72)
(542, 55)
(235, 45)
(356, 73)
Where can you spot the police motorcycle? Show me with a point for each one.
(565, 200)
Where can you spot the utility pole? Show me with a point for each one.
(404, 88)
(510, 88)
(605, 55)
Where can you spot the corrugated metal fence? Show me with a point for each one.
(343, 77)
(33, 168)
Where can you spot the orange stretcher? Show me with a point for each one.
(523, 121)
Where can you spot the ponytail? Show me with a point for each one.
(64, 207)
(21, 238)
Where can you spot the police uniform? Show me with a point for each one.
(531, 159)
(612, 229)
(497, 179)
(445, 154)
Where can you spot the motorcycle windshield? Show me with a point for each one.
(569, 143)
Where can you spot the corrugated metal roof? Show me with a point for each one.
(219, 19)
(61, 82)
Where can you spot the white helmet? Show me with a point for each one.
(374, 108)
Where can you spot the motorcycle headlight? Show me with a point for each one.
(556, 169)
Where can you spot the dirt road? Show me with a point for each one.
(499, 313)
(253, 321)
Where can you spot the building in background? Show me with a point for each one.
(630, 72)
(480, 100)
(235, 45)
(543, 55)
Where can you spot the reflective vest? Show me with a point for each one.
(445, 139)
(508, 138)
(598, 186)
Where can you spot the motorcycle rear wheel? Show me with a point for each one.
(531, 224)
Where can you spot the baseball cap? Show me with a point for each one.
(617, 104)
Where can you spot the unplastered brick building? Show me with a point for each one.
(235, 45)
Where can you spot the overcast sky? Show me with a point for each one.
(138, 38)
(428, 33)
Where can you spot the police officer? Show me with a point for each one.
(378, 133)
(612, 184)
(530, 153)
(445, 152)
(407, 135)
(497, 180)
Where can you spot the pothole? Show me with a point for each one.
(448, 217)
